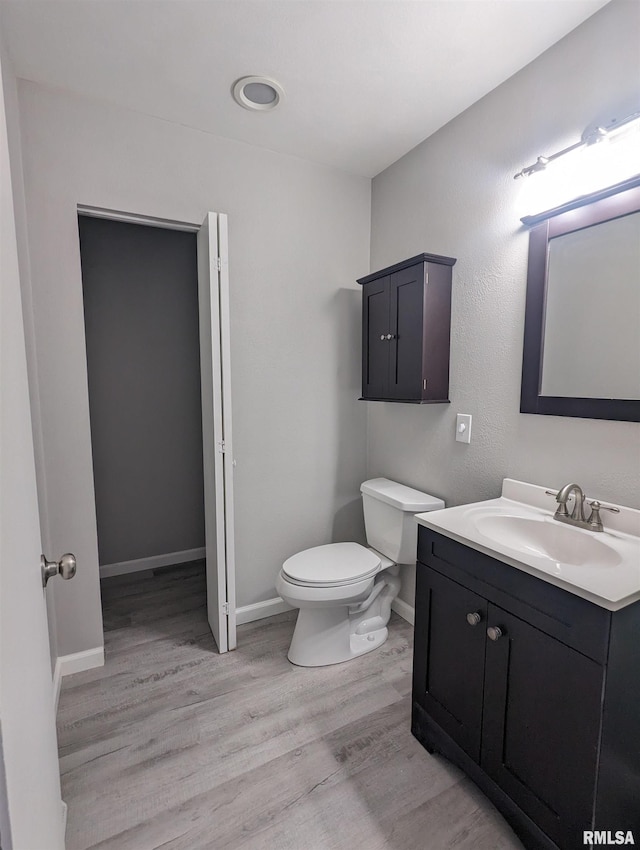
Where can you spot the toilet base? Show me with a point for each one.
(325, 636)
(360, 644)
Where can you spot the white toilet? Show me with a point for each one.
(344, 590)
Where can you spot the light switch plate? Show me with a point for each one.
(463, 428)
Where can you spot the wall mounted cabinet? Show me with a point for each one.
(531, 690)
(406, 319)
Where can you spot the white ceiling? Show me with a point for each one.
(365, 80)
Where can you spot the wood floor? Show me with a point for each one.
(173, 746)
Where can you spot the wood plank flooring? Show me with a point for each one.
(173, 746)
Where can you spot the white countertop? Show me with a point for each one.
(603, 567)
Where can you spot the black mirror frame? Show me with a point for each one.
(616, 201)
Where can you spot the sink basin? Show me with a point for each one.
(519, 529)
(548, 538)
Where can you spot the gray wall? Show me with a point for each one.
(140, 287)
(298, 239)
(455, 195)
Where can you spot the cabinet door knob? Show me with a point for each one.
(391, 336)
(382, 337)
(474, 618)
(494, 632)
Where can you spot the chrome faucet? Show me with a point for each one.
(577, 517)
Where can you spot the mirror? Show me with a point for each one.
(582, 322)
(592, 312)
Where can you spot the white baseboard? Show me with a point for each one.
(404, 610)
(270, 607)
(260, 610)
(152, 563)
(76, 662)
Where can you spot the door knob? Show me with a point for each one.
(494, 632)
(66, 567)
(474, 618)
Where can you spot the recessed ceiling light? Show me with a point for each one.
(258, 93)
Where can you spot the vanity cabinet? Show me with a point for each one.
(532, 690)
(406, 318)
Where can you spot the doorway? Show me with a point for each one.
(140, 295)
(154, 349)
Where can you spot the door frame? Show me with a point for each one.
(222, 389)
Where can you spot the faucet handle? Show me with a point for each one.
(561, 510)
(594, 520)
(598, 506)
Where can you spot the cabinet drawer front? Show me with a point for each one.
(573, 620)
(444, 641)
(541, 725)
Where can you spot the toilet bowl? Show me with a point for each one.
(344, 590)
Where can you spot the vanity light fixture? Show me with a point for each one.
(599, 134)
(260, 94)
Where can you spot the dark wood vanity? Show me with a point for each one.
(533, 691)
(406, 318)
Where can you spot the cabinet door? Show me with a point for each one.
(541, 726)
(406, 300)
(449, 657)
(375, 345)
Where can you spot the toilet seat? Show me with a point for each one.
(331, 565)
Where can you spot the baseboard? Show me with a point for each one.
(270, 607)
(260, 610)
(404, 610)
(152, 563)
(76, 662)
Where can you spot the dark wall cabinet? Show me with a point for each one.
(533, 691)
(406, 319)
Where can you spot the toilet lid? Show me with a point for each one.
(333, 564)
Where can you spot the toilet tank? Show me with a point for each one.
(389, 509)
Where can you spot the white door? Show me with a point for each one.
(30, 806)
(213, 289)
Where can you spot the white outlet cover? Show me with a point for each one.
(463, 428)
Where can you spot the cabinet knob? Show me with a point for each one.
(494, 632)
(382, 337)
(391, 336)
(474, 618)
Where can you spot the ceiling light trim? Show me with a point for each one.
(241, 98)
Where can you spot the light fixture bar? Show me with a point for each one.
(594, 136)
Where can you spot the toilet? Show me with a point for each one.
(344, 590)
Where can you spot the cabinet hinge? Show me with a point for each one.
(424, 384)
(221, 447)
(426, 278)
(219, 264)
(225, 608)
